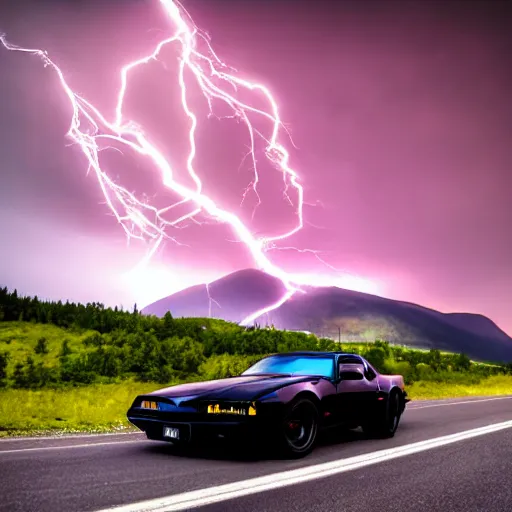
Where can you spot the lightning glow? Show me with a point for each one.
(89, 127)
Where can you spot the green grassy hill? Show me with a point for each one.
(69, 367)
(20, 339)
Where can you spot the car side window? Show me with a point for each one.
(352, 363)
(369, 373)
(349, 359)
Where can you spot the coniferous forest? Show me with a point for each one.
(92, 343)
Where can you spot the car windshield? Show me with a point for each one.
(293, 365)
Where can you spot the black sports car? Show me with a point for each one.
(283, 398)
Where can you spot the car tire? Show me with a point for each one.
(298, 428)
(386, 423)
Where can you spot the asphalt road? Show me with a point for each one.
(90, 473)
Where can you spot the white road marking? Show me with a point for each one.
(409, 408)
(64, 447)
(207, 496)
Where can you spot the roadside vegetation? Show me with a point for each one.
(70, 367)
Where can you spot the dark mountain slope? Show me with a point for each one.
(328, 311)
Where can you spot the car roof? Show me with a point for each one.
(315, 353)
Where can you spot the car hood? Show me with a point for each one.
(234, 388)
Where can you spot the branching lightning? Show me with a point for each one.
(89, 128)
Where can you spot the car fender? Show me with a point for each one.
(317, 390)
(388, 382)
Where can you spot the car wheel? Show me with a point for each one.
(386, 424)
(299, 428)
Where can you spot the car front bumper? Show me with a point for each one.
(199, 428)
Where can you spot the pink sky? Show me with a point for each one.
(400, 116)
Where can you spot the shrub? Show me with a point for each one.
(4, 360)
(423, 370)
(65, 350)
(42, 346)
(226, 365)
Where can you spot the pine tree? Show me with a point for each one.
(42, 346)
(65, 350)
(4, 359)
(19, 376)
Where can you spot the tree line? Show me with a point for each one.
(127, 344)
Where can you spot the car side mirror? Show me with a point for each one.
(351, 375)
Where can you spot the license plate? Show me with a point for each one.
(171, 432)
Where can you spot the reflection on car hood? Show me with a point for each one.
(235, 388)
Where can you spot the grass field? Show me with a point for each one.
(495, 385)
(95, 408)
(102, 407)
(19, 340)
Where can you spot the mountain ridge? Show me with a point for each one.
(329, 311)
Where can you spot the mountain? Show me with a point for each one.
(233, 297)
(333, 312)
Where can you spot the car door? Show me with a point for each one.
(357, 390)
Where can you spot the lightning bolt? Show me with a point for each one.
(89, 128)
(211, 300)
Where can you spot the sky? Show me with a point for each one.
(400, 122)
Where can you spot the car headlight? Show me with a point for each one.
(146, 404)
(235, 408)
